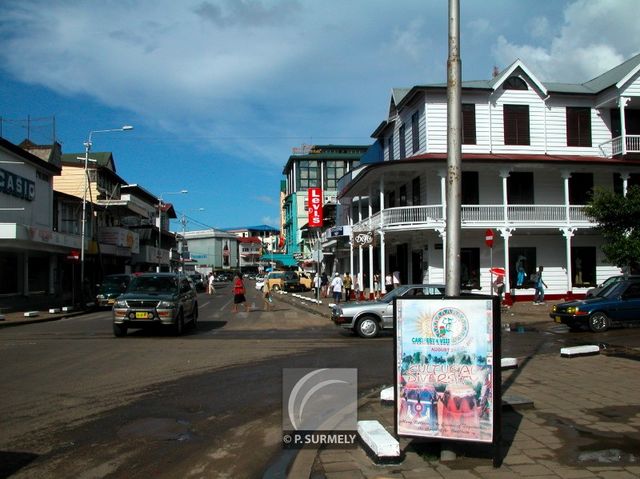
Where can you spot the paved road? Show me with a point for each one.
(78, 402)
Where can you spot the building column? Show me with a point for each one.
(383, 264)
(506, 234)
(622, 102)
(360, 254)
(370, 286)
(625, 182)
(443, 234)
(568, 234)
(504, 174)
(566, 176)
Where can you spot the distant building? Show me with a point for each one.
(308, 167)
(213, 250)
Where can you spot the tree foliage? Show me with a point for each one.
(618, 219)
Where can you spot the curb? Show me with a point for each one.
(45, 319)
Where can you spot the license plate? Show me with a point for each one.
(558, 320)
(142, 315)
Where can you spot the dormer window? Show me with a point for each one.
(515, 83)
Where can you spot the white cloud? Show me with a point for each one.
(595, 36)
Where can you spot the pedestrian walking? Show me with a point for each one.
(388, 282)
(211, 288)
(266, 297)
(376, 285)
(347, 282)
(356, 287)
(336, 287)
(539, 284)
(396, 279)
(324, 284)
(317, 284)
(238, 294)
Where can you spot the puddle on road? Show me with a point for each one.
(158, 429)
(588, 446)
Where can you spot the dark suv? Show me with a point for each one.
(156, 299)
(112, 286)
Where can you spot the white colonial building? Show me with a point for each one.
(532, 154)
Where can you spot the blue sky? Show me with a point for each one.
(220, 91)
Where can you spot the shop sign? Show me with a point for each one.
(447, 386)
(315, 207)
(365, 238)
(15, 185)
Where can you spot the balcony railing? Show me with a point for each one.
(477, 216)
(613, 147)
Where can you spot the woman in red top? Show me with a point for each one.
(238, 294)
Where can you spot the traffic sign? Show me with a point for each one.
(488, 238)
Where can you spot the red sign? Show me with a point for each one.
(488, 238)
(315, 207)
(74, 255)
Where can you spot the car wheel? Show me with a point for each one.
(119, 330)
(367, 327)
(599, 322)
(275, 287)
(194, 320)
(179, 326)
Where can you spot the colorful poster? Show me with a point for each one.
(445, 374)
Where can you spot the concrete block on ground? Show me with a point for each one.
(577, 351)
(54, 310)
(1, 317)
(66, 309)
(379, 444)
(31, 314)
(387, 395)
(509, 363)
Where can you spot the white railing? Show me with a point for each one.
(476, 216)
(613, 147)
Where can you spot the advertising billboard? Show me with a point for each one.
(315, 207)
(447, 383)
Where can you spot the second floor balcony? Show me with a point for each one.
(616, 146)
(478, 216)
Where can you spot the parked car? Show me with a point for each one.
(295, 281)
(616, 304)
(277, 279)
(609, 281)
(367, 318)
(156, 299)
(112, 286)
(198, 281)
(306, 282)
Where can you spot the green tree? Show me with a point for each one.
(618, 219)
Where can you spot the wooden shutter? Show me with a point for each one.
(468, 124)
(578, 126)
(516, 124)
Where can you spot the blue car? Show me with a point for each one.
(615, 305)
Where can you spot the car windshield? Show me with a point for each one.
(408, 290)
(153, 284)
(111, 281)
(613, 290)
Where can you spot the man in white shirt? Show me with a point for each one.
(336, 287)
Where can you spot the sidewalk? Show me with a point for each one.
(579, 418)
(18, 318)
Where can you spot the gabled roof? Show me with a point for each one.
(103, 158)
(30, 157)
(617, 76)
(510, 70)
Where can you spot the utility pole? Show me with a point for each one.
(454, 168)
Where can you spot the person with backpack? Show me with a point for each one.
(539, 285)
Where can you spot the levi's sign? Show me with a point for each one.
(315, 207)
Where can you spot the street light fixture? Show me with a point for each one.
(87, 147)
(160, 205)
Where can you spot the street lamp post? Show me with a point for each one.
(183, 221)
(87, 147)
(160, 205)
